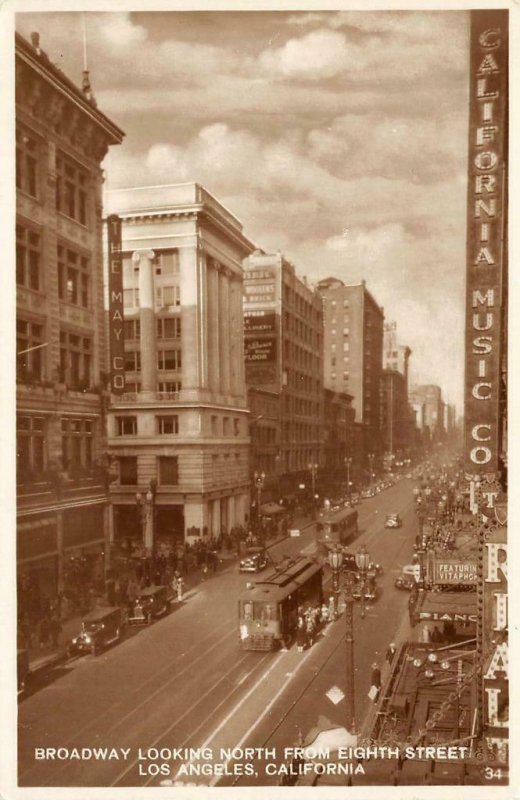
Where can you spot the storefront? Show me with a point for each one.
(445, 617)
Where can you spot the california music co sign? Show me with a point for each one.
(486, 242)
(115, 306)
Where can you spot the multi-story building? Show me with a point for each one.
(395, 356)
(179, 433)
(353, 345)
(341, 464)
(283, 352)
(61, 140)
(429, 399)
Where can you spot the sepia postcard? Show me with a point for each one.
(256, 419)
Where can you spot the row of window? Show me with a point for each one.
(166, 360)
(169, 424)
(166, 262)
(164, 387)
(168, 469)
(31, 441)
(167, 328)
(72, 192)
(165, 296)
(73, 267)
(75, 367)
(302, 306)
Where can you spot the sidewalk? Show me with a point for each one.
(41, 658)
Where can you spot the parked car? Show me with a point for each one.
(369, 588)
(393, 521)
(152, 602)
(99, 628)
(254, 560)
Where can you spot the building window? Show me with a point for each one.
(168, 359)
(128, 470)
(75, 360)
(132, 360)
(30, 445)
(333, 376)
(126, 426)
(346, 345)
(26, 163)
(333, 332)
(29, 351)
(131, 298)
(333, 347)
(168, 470)
(214, 426)
(167, 262)
(170, 387)
(73, 277)
(71, 189)
(345, 331)
(166, 296)
(236, 426)
(345, 303)
(28, 258)
(345, 376)
(168, 424)
(169, 327)
(76, 443)
(225, 426)
(132, 329)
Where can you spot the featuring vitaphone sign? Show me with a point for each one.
(115, 306)
(486, 239)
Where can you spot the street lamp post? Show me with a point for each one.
(259, 484)
(146, 508)
(371, 457)
(348, 464)
(336, 564)
(313, 469)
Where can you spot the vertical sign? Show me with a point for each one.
(115, 306)
(486, 252)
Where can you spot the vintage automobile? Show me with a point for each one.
(255, 559)
(405, 582)
(393, 521)
(99, 628)
(368, 587)
(151, 602)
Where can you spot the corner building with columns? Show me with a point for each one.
(178, 435)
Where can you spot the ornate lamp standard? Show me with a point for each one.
(336, 564)
(371, 457)
(313, 468)
(259, 478)
(348, 464)
(146, 508)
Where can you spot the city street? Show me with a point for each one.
(184, 682)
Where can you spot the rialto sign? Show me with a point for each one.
(495, 674)
(115, 306)
(486, 246)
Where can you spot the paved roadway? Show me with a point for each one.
(185, 682)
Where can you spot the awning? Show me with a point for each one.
(452, 606)
(271, 509)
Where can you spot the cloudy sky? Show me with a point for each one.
(339, 138)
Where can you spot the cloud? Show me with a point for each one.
(320, 54)
(118, 30)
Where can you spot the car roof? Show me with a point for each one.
(100, 613)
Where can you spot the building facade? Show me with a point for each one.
(61, 141)
(353, 354)
(283, 351)
(180, 433)
(429, 399)
(341, 459)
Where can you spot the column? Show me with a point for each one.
(215, 522)
(213, 325)
(188, 268)
(224, 327)
(231, 512)
(237, 335)
(148, 340)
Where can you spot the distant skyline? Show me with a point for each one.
(339, 138)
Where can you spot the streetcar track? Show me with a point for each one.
(214, 711)
(185, 714)
(110, 711)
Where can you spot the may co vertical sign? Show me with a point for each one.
(486, 243)
(115, 306)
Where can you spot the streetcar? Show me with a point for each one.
(268, 610)
(335, 527)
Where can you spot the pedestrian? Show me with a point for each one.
(375, 683)
(180, 586)
(324, 614)
(301, 635)
(332, 609)
(390, 652)
(204, 570)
